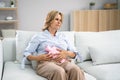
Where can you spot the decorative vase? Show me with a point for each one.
(12, 3)
(91, 5)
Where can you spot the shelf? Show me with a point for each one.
(7, 21)
(8, 8)
(6, 12)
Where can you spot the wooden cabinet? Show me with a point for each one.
(6, 13)
(95, 20)
(109, 20)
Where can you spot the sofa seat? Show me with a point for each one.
(107, 71)
(13, 71)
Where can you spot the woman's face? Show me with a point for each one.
(56, 23)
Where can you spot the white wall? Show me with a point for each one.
(32, 13)
(119, 4)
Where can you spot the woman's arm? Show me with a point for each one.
(68, 53)
(63, 54)
(42, 57)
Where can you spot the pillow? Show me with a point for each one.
(82, 41)
(105, 54)
(22, 40)
(85, 39)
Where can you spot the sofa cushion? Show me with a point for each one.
(102, 72)
(23, 38)
(104, 54)
(13, 71)
(89, 77)
(107, 50)
(82, 41)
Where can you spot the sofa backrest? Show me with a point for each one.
(13, 48)
(23, 38)
(99, 46)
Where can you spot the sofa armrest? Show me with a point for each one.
(9, 49)
(1, 59)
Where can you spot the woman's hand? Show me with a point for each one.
(62, 55)
(44, 57)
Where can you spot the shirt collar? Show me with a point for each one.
(47, 32)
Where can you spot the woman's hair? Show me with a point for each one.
(50, 17)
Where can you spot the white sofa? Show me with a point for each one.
(13, 48)
(100, 52)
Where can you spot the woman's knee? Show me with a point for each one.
(60, 73)
(59, 70)
(74, 69)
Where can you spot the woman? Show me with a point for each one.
(48, 67)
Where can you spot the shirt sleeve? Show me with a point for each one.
(72, 48)
(32, 46)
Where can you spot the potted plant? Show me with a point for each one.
(91, 4)
(12, 3)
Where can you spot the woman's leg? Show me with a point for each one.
(51, 71)
(73, 71)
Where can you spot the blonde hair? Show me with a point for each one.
(50, 17)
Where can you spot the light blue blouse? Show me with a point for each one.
(41, 40)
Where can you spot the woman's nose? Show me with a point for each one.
(59, 21)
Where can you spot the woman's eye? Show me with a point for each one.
(56, 19)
